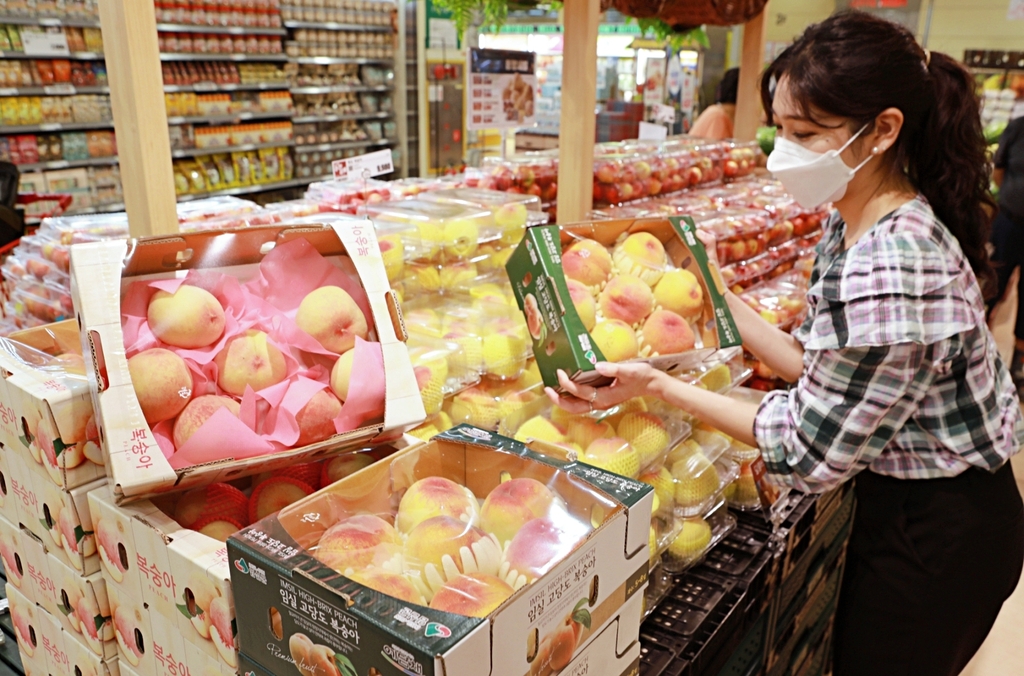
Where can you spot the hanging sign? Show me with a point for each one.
(364, 166)
(501, 89)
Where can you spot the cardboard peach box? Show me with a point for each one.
(366, 630)
(176, 573)
(58, 517)
(46, 410)
(100, 272)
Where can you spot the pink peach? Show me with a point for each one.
(513, 504)
(162, 382)
(316, 418)
(435, 496)
(331, 316)
(197, 413)
(584, 303)
(587, 262)
(472, 595)
(190, 317)
(626, 298)
(357, 542)
(666, 332)
(249, 359)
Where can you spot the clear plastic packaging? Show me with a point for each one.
(511, 213)
(432, 232)
(781, 301)
(696, 537)
(740, 234)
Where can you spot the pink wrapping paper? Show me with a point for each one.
(268, 302)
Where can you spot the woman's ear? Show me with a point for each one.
(888, 124)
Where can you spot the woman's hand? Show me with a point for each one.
(631, 380)
(710, 246)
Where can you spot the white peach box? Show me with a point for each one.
(146, 643)
(28, 628)
(51, 641)
(177, 573)
(51, 407)
(38, 585)
(14, 557)
(101, 271)
(61, 519)
(83, 661)
(291, 607)
(81, 604)
(20, 506)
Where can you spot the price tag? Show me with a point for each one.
(652, 132)
(8, 91)
(364, 166)
(45, 44)
(663, 113)
(59, 89)
(205, 86)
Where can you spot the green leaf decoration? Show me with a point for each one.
(64, 611)
(81, 533)
(582, 616)
(582, 602)
(59, 446)
(25, 441)
(183, 609)
(99, 621)
(677, 39)
(345, 666)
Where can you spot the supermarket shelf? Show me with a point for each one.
(339, 118)
(331, 60)
(224, 57)
(213, 87)
(331, 26)
(341, 89)
(52, 90)
(229, 119)
(195, 152)
(250, 189)
(55, 126)
(49, 21)
(68, 164)
(102, 209)
(74, 56)
(220, 30)
(344, 145)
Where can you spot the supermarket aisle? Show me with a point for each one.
(1003, 653)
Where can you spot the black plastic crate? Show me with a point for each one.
(654, 659)
(748, 657)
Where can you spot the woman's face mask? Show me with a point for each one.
(812, 178)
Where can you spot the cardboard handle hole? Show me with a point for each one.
(78, 671)
(3, 484)
(65, 601)
(532, 645)
(32, 636)
(47, 516)
(190, 602)
(98, 361)
(276, 625)
(25, 430)
(595, 589)
(17, 564)
(395, 312)
(139, 643)
(122, 555)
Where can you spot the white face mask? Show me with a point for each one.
(812, 178)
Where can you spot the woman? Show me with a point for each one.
(1008, 233)
(897, 378)
(716, 122)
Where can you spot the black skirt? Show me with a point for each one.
(929, 565)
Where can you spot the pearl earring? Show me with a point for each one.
(874, 151)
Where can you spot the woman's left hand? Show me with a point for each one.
(631, 380)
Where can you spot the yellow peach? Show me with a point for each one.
(249, 359)
(190, 317)
(538, 546)
(197, 413)
(358, 542)
(435, 496)
(679, 291)
(614, 455)
(438, 542)
(615, 339)
(584, 303)
(162, 382)
(542, 429)
(626, 298)
(341, 374)
(665, 332)
(513, 504)
(641, 254)
(646, 433)
(392, 584)
(587, 262)
(331, 316)
(473, 595)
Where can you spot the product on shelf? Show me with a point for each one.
(210, 173)
(617, 291)
(232, 13)
(279, 333)
(214, 43)
(36, 110)
(49, 72)
(343, 44)
(78, 39)
(338, 11)
(404, 532)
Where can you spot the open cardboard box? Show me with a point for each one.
(46, 413)
(101, 271)
(562, 342)
(173, 572)
(281, 590)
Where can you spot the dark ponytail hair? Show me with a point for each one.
(855, 65)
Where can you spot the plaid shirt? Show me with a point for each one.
(901, 374)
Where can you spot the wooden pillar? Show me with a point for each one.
(748, 102)
(140, 118)
(579, 96)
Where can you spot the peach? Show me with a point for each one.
(218, 499)
(511, 218)
(331, 316)
(512, 504)
(666, 332)
(422, 320)
(476, 406)
(341, 466)
(583, 431)
(275, 494)
(540, 428)
(511, 402)
(696, 479)
(466, 363)
(249, 359)
(646, 433)
(124, 629)
(641, 254)
(504, 353)
(661, 480)
(614, 455)
(312, 659)
(584, 303)
(110, 540)
(472, 594)
(587, 262)
(222, 630)
(539, 546)
(308, 473)
(431, 378)
(341, 375)
(197, 412)
(190, 317)
(443, 546)
(615, 339)
(392, 584)
(626, 298)
(393, 253)
(556, 650)
(358, 542)
(219, 528)
(162, 382)
(435, 496)
(679, 291)
(316, 418)
(460, 237)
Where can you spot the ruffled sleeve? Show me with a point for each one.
(895, 285)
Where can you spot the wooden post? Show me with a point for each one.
(140, 118)
(579, 96)
(748, 102)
